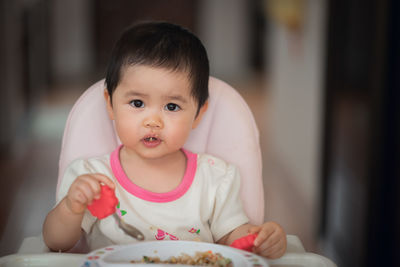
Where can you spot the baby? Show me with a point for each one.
(156, 93)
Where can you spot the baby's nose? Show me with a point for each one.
(153, 122)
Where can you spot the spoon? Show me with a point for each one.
(106, 205)
(128, 229)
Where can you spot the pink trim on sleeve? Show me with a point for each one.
(147, 195)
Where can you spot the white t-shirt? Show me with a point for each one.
(204, 207)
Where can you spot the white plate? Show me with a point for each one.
(122, 255)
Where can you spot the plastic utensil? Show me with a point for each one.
(106, 205)
(128, 229)
(245, 242)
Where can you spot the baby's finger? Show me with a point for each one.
(263, 235)
(104, 179)
(254, 229)
(75, 202)
(94, 184)
(263, 248)
(276, 251)
(270, 241)
(77, 196)
(85, 186)
(275, 246)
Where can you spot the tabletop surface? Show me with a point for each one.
(71, 260)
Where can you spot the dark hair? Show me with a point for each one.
(165, 45)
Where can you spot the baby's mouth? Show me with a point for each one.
(151, 139)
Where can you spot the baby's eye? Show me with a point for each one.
(137, 103)
(172, 107)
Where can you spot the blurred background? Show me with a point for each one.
(321, 77)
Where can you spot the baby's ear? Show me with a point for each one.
(199, 116)
(107, 98)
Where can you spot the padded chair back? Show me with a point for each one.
(227, 130)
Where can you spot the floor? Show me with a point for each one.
(30, 173)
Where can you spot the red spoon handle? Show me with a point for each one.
(245, 242)
(105, 205)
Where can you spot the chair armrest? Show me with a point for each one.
(36, 245)
(294, 244)
(33, 245)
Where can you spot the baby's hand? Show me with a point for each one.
(84, 190)
(270, 241)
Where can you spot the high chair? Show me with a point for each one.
(227, 130)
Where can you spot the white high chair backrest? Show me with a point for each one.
(227, 130)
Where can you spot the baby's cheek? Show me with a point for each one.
(179, 134)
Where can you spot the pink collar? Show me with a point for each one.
(144, 194)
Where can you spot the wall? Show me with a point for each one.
(295, 78)
(223, 27)
(72, 39)
(12, 106)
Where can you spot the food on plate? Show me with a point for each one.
(207, 258)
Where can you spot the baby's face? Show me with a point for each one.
(153, 111)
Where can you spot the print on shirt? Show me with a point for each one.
(160, 234)
(119, 211)
(194, 231)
